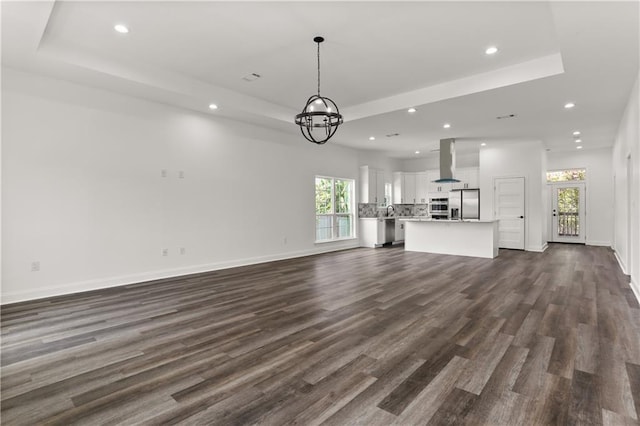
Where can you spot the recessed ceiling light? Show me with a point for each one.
(578, 140)
(213, 106)
(576, 133)
(579, 147)
(569, 105)
(372, 138)
(122, 29)
(411, 110)
(446, 125)
(491, 50)
(483, 144)
(417, 152)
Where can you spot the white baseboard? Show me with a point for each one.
(538, 249)
(99, 284)
(635, 288)
(621, 263)
(598, 243)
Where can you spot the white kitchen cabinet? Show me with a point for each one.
(371, 185)
(467, 176)
(404, 188)
(473, 177)
(433, 175)
(371, 232)
(422, 188)
(461, 175)
(397, 187)
(376, 231)
(409, 188)
(399, 231)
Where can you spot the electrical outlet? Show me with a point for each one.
(165, 252)
(163, 173)
(35, 266)
(183, 250)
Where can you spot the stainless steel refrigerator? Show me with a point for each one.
(464, 204)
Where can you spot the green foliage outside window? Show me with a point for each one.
(334, 215)
(323, 196)
(567, 175)
(324, 202)
(343, 196)
(568, 200)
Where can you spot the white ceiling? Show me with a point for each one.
(379, 59)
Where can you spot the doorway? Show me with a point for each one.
(568, 223)
(509, 211)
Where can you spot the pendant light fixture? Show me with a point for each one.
(320, 117)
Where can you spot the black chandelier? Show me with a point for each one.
(320, 114)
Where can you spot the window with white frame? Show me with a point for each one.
(334, 208)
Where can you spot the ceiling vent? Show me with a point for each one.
(251, 77)
(503, 117)
(392, 135)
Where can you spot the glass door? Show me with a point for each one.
(568, 221)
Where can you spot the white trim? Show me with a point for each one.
(598, 243)
(620, 262)
(635, 288)
(83, 286)
(538, 249)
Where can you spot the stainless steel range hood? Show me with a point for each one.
(447, 161)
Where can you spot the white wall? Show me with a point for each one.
(511, 160)
(82, 190)
(626, 161)
(599, 186)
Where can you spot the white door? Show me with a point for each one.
(567, 216)
(508, 199)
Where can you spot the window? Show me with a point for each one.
(334, 208)
(567, 175)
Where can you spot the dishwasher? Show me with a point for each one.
(389, 230)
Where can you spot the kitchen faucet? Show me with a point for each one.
(392, 210)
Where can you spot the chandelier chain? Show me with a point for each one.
(318, 69)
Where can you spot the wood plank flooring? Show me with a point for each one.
(364, 336)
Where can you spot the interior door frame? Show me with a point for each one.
(553, 237)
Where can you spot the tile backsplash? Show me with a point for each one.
(399, 210)
(367, 210)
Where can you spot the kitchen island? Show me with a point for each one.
(477, 238)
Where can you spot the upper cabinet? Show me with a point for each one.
(410, 188)
(432, 176)
(371, 185)
(473, 177)
(414, 188)
(422, 188)
(404, 188)
(467, 176)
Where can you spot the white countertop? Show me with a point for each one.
(426, 219)
(376, 218)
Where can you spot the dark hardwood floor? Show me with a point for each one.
(364, 336)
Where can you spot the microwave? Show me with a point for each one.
(439, 205)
